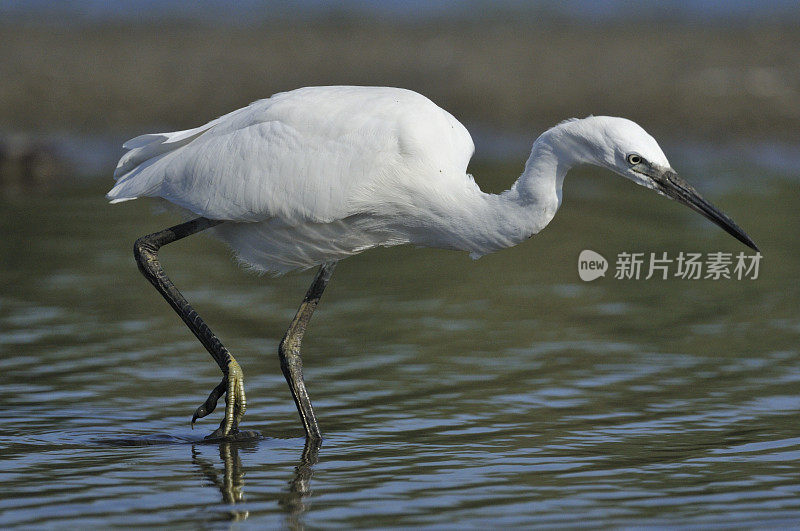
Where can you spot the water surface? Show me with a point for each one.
(502, 392)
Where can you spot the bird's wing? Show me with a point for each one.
(315, 154)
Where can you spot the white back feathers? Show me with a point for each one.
(320, 173)
(313, 154)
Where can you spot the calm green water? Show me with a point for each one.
(452, 393)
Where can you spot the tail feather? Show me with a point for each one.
(145, 147)
(132, 182)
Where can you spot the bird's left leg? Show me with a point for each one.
(146, 252)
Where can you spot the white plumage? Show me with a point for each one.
(302, 164)
(317, 174)
(320, 173)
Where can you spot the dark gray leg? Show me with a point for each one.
(289, 350)
(146, 252)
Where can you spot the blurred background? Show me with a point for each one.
(79, 77)
(503, 392)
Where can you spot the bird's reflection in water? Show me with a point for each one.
(231, 482)
(300, 486)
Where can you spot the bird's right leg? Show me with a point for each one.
(146, 252)
(289, 351)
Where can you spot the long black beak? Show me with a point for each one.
(668, 183)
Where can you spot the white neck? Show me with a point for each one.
(481, 223)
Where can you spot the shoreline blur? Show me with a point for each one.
(112, 78)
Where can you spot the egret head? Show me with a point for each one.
(625, 148)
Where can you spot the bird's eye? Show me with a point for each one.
(634, 159)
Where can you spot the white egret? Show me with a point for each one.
(314, 175)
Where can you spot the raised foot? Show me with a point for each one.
(232, 385)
